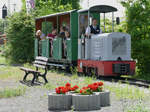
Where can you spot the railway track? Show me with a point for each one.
(130, 81)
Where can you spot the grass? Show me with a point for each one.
(137, 108)
(58, 78)
(12, 92)
(9, 72)
(127, 91)
(2, 60)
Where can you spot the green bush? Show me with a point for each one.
(138, 25)
(20, 34)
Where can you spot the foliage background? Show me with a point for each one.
(20, 38)
(138, 25)
(21, 28)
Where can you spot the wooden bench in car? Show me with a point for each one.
(40, 62)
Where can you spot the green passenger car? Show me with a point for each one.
(43, 48)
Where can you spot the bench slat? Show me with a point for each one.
(29, 70)
(40, 66)
(41, 58)
(55, 64)
(40, 62)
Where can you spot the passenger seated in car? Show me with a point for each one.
(67, 36)
(52, 35)
(40, 35)
(93, 29)
(62, 31)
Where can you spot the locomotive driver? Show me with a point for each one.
(93, 29)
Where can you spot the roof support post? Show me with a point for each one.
(78, 25)
(104, 22)
(88, 20)
(112, 21)
(57, 25)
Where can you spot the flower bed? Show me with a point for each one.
(59, 101)
(86, 102)
(91, 97)
(97, 87)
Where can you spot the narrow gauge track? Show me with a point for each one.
(131, 81)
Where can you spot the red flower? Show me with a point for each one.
(64, 90)
(94, 87)
(85, 88)
(60, 87)
(68, 88)
(73, 89)
(57, 91)
(76, 87)
(100, 83)
(68, 84)
(95, 84)
(90, 86)
(81, 90)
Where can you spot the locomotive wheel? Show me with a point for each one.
(79, 73)
(89, 73)
(68, 69)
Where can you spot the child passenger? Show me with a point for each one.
(67, 35)
(52, 36)
(62, 31)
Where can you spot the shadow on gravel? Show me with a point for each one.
(29, 83)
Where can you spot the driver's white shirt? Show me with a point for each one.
(88, 30)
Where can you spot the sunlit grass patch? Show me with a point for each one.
(12, 92)
(8, 72)
(2, 60)
(137, 108)
(50, 86)
(74, 76)
(126, 91)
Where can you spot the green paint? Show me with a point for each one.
(35, 47)
(45, 48)
(74, 35)
(46, 27)
(57, 48)
(69, 53)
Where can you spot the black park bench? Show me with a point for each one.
(40, 62)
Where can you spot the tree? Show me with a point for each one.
(1, 27)
(44, 7)
(117, 28)
(20, 34)
(138, 25)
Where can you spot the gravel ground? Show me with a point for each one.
(35, 100)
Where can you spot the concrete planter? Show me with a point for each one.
(86, 102)
(104, 98)
(59, 101)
